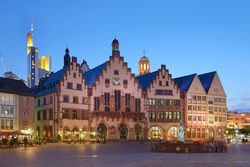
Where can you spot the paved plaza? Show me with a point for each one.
(129, 154)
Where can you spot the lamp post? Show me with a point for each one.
(80, 133)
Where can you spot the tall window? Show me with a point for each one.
(84, 100)
(65, 113)
(106, 98)
(106, 81)
(178, 115)
(117, 100)
(44, 101)
(79, 86)
(96, 103)
(70, 85)
(65, 98)
(38, 115)
(75, 114)
(75, 99)
(125, 82)
(174, 115)
(38, 102)
(127, 99)
(137, 105)
(44, 114)
(2, 123)
(50, 114)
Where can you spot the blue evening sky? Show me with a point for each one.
(188, 36)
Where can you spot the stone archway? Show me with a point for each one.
(219, 133)
(50, 132)
(123, 132)
(102, 129)
(45, 132)
(137, 132)
(172, 133)
(155, 133)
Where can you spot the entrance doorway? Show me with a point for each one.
(102, 129)
(137, 132)
(123, 131)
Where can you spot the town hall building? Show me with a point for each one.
(111, 101)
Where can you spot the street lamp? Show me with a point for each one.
(80, 136)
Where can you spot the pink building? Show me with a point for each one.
(109, 100)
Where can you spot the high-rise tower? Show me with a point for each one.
(32, 53)
(44, 66)
(144, 65)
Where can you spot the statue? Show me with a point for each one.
(181, 132)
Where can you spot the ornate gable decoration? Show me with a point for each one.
(163, 84)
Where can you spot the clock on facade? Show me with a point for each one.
(116, 81)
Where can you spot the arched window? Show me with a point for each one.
(173, 133)
(45, 131)
(74, 75)
(102, 129)
(155, 133)
(127, 109)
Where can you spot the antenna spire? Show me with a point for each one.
(32, 25)
(144, 52)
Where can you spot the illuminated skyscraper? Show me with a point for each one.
(45, 63)
(44, 66)
(32, 53)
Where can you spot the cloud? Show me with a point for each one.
(239, 102)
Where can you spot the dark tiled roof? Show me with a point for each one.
(146, 79)
(49, 85)
(185, 82)
(91, 75)
(14, 86)
(207, 79)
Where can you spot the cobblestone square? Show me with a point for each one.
(116, 154)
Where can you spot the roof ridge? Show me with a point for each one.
(208, 73)
(186, 76)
